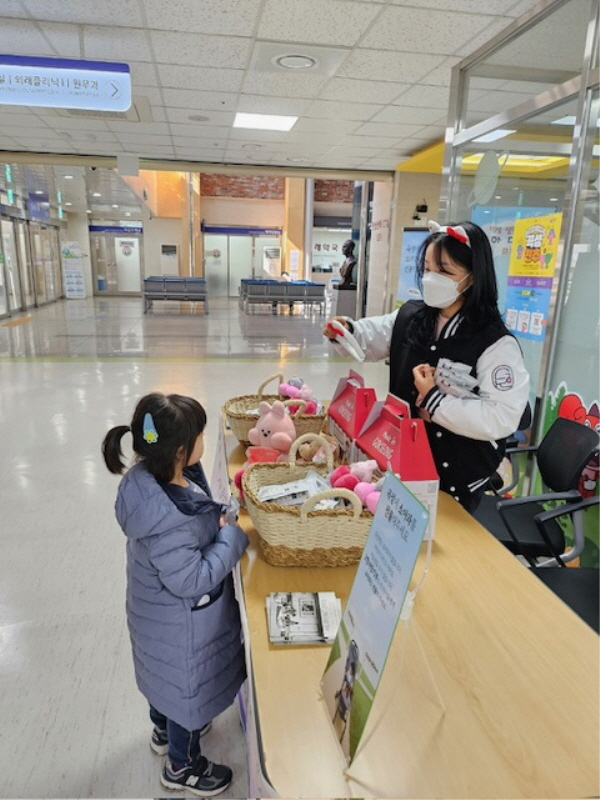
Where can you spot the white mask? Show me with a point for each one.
(439, 291)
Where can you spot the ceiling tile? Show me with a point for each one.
(63, 38)
(440, 76)
(491, 29)
(147, 138)
(23, 37)
(142, 74)
(314, 21)
(229, 17)
(374, 142)
(118, 126)
(408, 115)
(215, 118)
(199, 101)
(426, 96)
(261, 104)
(260, 137)
(23, 119)
(396, 29)
(197, 141)
(284, 85)
(469, 6)
(335, 126)
(115, 44)
(202, 131)
(205, 79)
(386, 129)
(381, 65)
(13, 8)
(359, 91)
(108, 12)
(202, 51)
(336, 109)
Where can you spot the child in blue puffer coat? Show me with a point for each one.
(183, 618)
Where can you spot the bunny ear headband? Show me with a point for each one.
(458, 232)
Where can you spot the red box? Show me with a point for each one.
(399, 443)
(349, 410)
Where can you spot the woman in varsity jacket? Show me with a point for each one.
(453, 359)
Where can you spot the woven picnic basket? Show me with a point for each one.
(299, 536)
(242, 412)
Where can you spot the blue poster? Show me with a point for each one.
(412, 239)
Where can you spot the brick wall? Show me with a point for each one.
(250, 186)
(334, 191)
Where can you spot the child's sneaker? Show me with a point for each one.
(160, 743)
(203, 778)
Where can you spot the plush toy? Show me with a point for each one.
(368, 495)
(315, 451)
(300, 391)
(364, 469)
(275, 428)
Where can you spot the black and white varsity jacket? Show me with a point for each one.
(481, 392)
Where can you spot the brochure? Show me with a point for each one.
(303, 617)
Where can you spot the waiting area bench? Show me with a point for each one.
(174, 287)
(274, 293)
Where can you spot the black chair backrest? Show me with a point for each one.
(563, 453)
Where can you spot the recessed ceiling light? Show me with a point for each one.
(498, 197)
(295, 61)
(264, 122)
(68, 204)
(68, 177)
(128, 213)
(88, 210)
(96, 194)
(38, 191)
(568, 120)
(554, 199)
(297, 160)
(198, 118)
(114, 205)
(494, 135)
(251, 146)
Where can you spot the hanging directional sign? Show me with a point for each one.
(64, 83)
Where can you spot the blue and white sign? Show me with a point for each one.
(64, 83)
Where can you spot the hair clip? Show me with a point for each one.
(457, 232)
(149, 430)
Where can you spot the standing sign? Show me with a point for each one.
(64, 83)
(359, 653)
(531, 275)
(72, 266)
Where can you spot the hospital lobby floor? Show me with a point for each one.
(73, 722)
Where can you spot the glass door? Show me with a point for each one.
(25, 263)
(117, 264)
(11, 265)
(37, 259)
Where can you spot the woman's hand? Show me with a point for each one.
(424, 380)
(331, 334)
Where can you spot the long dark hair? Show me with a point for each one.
(480, 307)
(178, 421)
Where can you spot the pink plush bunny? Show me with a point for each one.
(275, 428)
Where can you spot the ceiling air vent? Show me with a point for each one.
(140, 111)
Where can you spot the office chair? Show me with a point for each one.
(523, 524)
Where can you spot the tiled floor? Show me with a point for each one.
(72, 721)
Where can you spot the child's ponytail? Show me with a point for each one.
(111, 449)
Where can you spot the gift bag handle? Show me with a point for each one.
(312, 437)
(309, 504)
(279, 377)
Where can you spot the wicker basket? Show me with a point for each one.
(298, 536)
(240, 420)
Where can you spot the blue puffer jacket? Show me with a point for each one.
(183, 617)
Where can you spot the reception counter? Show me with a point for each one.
(490, 689)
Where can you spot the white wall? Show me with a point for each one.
(158, 231)
(379, 251)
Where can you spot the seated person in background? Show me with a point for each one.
(285, 276)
